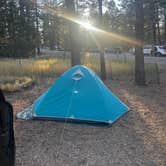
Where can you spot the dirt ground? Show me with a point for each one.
(136, 139)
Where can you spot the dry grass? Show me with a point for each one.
(11, 84)
(32, 67)
(53, 67)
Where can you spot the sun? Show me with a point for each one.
(88, 26)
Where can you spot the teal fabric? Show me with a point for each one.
(79, 94)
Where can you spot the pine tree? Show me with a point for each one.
(26, 40)
(139, 57)
(102, 59)
(73, 30)
(3, 32)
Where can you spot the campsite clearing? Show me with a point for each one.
(138, 138)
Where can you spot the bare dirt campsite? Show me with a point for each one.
(137, 138)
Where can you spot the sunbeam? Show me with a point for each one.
(71, 17)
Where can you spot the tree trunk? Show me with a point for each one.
(139, 57)
(21, 5)
(154, 33)
(165, 27)
(11, 27)
(74, 39)
(158, 33)
(153, 17)
(37, 28)
(158, 24)
(102, 59)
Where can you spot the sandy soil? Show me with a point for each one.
(138, 138)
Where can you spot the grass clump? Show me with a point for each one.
(11, 84)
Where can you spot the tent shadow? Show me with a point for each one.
(75, 121)
(82, 122)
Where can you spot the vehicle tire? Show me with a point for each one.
(158, 54)
(151, 54)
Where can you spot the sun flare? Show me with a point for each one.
(88, 26)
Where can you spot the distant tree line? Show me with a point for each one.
(18, 28)
(154, 20)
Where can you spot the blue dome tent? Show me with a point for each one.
(79, 94)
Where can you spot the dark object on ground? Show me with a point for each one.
(7, 143)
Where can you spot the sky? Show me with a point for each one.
(116, 1)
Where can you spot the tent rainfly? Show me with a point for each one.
(79, 95)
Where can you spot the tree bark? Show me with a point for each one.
(153, 17)
(139, 57)
(102, 59)
(74, 39)
(37, 28)
(165, 26)
(158, 24)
